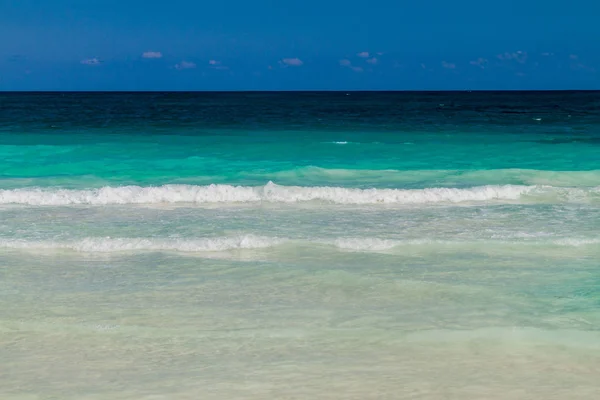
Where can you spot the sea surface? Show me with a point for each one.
(300, 245)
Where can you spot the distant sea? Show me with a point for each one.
(300, 245)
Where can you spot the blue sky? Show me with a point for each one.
(293, 45)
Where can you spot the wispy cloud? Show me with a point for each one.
(348, 64)
(578, 65)
(480, 62)
(215, 64)
(292, 62)
(373, 60)
(364, 54)
(448, 65)
(91, 61)
(582, 67)
(152, 54)
(518, 56)
(547, 54)
(185, 65)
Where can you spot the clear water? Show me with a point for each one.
(300, 245)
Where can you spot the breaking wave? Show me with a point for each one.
(110, 245)
(291, 194)
(249, 242)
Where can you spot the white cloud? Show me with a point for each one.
(582, 67)
(373, 60)
(91, 61)
(364, 54)
(293, 62)
(480, 62)
(217, 65)
(518, 56)
(152, 54)
(348, 64)
(448, 65)
(573, 56)
(185, 65)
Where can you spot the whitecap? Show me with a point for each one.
(272, 193)
(111, 245)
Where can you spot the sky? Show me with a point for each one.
(299, 45)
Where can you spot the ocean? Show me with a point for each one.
(300, 245)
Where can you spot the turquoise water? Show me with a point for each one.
(300, 245)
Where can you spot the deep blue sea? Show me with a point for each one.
(300, 245)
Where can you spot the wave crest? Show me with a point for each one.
(109, 245)
(249, 242)
(281, 194)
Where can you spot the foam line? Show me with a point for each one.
(289, 194)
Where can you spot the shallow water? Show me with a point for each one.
(174, 246)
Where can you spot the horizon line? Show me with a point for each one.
(307, 91)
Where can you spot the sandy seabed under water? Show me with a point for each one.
(257, 325)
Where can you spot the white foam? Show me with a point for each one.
(365, 244)
(575, 242)
(248, 242)
(267, 193)
(110, 245)
(381, 245)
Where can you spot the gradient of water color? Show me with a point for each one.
(300, 245)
